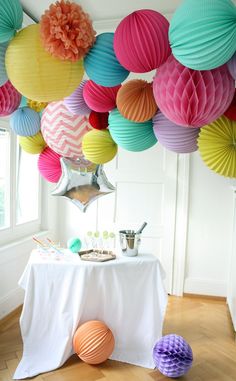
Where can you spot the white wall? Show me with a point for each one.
(209, 231)
(14, 257)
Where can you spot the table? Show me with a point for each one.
(126, 293)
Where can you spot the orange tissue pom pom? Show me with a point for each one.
(66, 31)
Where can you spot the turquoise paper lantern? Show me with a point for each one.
(203, 33)
(11, 18)
(25, 122)
(130, 135)
(101, 64)
(3, 73)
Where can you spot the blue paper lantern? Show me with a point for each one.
(203, 33)
(101, 64)
(25, 122)
(130, 135)
(3, 73)
(11, 18)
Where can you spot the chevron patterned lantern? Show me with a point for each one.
(64, 131)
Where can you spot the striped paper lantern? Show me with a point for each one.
(3, 73)
(130, 135)
(25, 122)
(100, 98)
(175, 138)
(93, 342)
(75, 102)
(101, 64)
(49, 165)
(64, 131)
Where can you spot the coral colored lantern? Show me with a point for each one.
(93, 342)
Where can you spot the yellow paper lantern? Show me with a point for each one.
(98, 146)
(35, 73)
(217, 146)
(32, 144)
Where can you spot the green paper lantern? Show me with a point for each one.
(202, 33)
(74, 244)
(11, 18)
(130, 135)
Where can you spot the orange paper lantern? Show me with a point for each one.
(135, 100)
(93, 342)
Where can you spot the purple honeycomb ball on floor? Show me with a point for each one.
(172, 356)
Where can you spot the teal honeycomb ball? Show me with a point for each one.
(74, 244)
(130, 135)
(202, 33)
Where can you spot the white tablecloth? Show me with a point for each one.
(126, 293)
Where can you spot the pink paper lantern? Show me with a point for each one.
(100, 98)
(141, 41)
(75, 103)
(192, 98)
(9, 99)
(63, 131)
(49, 165)
(175, 138)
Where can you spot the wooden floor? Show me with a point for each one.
(204, 323)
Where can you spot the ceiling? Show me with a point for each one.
(104, 9)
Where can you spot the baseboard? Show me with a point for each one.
(11, 301)
(205, 287)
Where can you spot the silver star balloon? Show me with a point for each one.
(81, 186)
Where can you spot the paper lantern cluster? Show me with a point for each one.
(188, 105)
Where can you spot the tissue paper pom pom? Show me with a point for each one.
(100, 98)
(231, 111)
(75, 102)
(32, 144)
(93, 342)
(130, 135)
(35, 73)
(63, 131)
(173, 137)
(36, 106)
(173, 356)
(98, 146)
(135, 100)
(25, 122)
(101, 64)
(49, 165)
(3, 73)
(232, 66)
(99, 120)
(141, 41)
(9, 99)
(67, 31)
(203, 33)
(192, 98)
(216, 144)
(11, 18)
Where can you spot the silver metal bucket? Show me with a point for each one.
(129, 242)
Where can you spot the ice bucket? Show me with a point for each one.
(129, 242)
